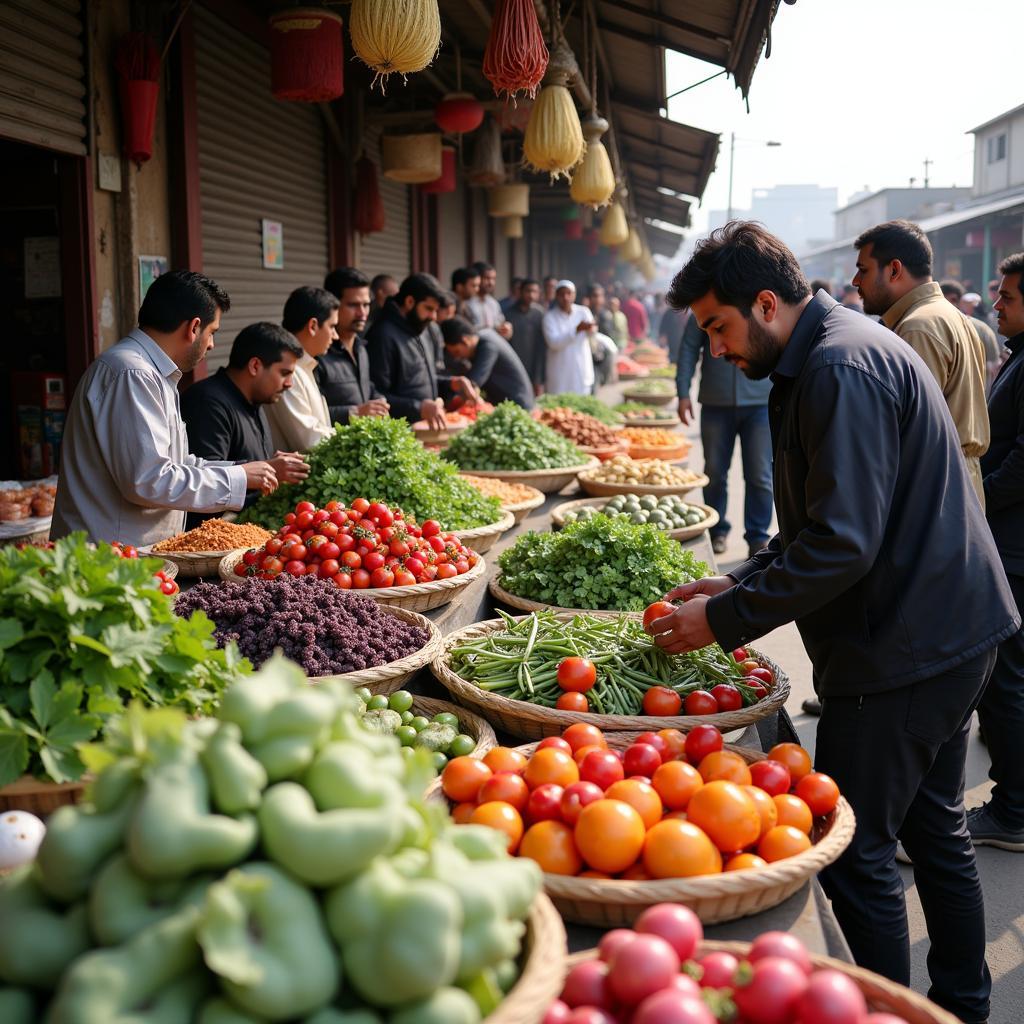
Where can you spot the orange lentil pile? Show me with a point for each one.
(216, 535)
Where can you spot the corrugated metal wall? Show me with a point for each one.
(42, 88)
(451, 216)
(259, 158)
(388, 251)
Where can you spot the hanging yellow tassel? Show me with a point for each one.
(593, 182)
(614, 228)
(395, 36)
(632, 249)
(554, 138)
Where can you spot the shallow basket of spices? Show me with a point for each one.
(482, 538)
(548, 481)
(529, 497)
(185, 550)
(528, 721)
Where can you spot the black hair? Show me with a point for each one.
(345, 277)
(1011, 265)
(181, 295)
(481, 266)
(305, 304)
(263, 341)
(594, 287)
(463, 274)
(549, 277)
(527, 281)
(899, 240)
(517, 282)
(455, 329)
(378, 281)
(736, 262)
(951, 287)
(820, 284)
(450, 299)
(420, 287)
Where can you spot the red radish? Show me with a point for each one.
(702, 740)
(773, 993)
(832, 998)
(655, 741)
(719, 970)
(587, 985)
(640, 968)
(679, 926)
(780, 944)
(545, 803)
(575, 797)
(641, 759)
(671, 1006)
(612, 940)
(557, 1013)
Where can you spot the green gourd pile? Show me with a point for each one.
(275, 863)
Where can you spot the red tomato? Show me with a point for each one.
(372, 560)
(343, 580)
(398, 547)
(329, 567)
(381, 577)
(771, 776)
(272, 565)
(251, 557)
(305, 506)
(241, 569)
(762, 674)
(351, 560)
(415, 566)
(545, 803)
(303, 520)
(700, 702)
(377, 511)
(295, 568)
(446, 571)
(435, 542)
(321, 516)
(273, 546)
(461, 566)
(169, 587)
(339, 517)
(289, 519)
(658, 610)
(602, 768)
(575, 797)
(360, 505)
(662, 701)
(727, 697)
(404, 578)
(819, 792)
(571, 701)
(576, 674)
(740, 654)
(507, 787)
(555, 741)
(640, 759)
(431, 527)
(429, 574)
(657, 741)
(360, 579)
(346, 542)
(701, 741)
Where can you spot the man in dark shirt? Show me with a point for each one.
(1000, 822)
(382, 288)
(527, 319)
(224, 414)
(884, 559)
(343, 371)
(494, 366)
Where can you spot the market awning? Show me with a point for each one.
(661, 241)
(654, 205)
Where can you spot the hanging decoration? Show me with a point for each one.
(515, 58)
(514, 117)
(512, 227)
(307, 53)
(138, 72)
(554, 138)
(632, 249)
(368, 207)
(509, 200)
(445, 183)
(411, 159)
(614, 228)
(592, 241)
(593, 182)
(573, 230)
(571, 212)
(458, 113)
(488, 166)
(395, 36)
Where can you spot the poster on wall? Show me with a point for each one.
(150, 268)
(42, 267)
(273, 245)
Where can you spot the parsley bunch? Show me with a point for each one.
(82, 632)
(600, 563)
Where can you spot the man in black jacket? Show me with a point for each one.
(884, 559)
(493, 364)
(343, 371)
(402, 356)
(1000, 822)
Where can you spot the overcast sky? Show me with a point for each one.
(859, 94)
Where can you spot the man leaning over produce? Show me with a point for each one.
(894, 581)
(493, 364)
(126, 473)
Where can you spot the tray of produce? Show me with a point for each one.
(639, 414)
(455, 423)
(582, 429)
(367, 546)
(511, 445)
(651, 392)
(589, 404)
(511, 671)
(630, 369)
(229, 867)
(678, 519)
(649, 354)
(622, 821)
(199, 551)
(655, 443)
(623, 475)
(380, 458)
(482, 538)
(519, 499)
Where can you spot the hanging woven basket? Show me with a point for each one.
(593, 182)
(512, 227)
(446, 183)
(488, 166)
(367, 207)
(632, 249)
(515, 57)
(554, 140)
(411, 159)
(395, 36)
(458, 113)
(509, 201)
(614, 227)
(307, 54)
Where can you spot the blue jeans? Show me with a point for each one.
(719, 427)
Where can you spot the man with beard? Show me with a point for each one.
(402, 355)
(343, 371)
(894, 278)
(893, 579)
(126, 473)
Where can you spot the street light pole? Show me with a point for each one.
(772, 143)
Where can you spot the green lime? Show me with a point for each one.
(364, 694)
(440, 760)
(378, 702)
(406, 752)
(406, 735)
(419, 723)
(400, 700)
(446, 718)
(407, 717)
(461, 745)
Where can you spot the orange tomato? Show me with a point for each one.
(579, 754)
(508, 787)
(765, 807)
(635, 873)
(819, 791)
(675, 741)
(579, 734)
(505, 759)
(678, 815)
(609, 835)
(725, 765)
(793, 811)
(462, 778)
(641, 796)
(794, 757)
(551, 765)
(551, 845)
(781, 842)
(744, 862)
(676, 782)
(461, 812)
(572, 701)
(502, 816)
(727, 814)
(679, 849)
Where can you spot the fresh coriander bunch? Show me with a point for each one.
(582, 403)
(510, 438)
(82, 632)
(600, 563)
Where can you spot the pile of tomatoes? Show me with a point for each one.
(656, 973)
(671, 805)
(359, 546)
(167, 584)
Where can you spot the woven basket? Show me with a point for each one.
(521, 509)
(388, 678)
(169, 569)
(882, 995)
(667, 453)
(481, 538)
(532, 722)
(420, 597)
(472, 724)
(684, 533)
(546, 480)
(599, 489)
(664, 423)
(194, 563)
(649, 397)
(543, 955)
(411, 159)
(605, 452)
(39, 798)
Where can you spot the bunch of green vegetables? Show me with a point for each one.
(83, 631)
(602, 563)
(510, 438)
(381, 460)
(521, 662)
(581, 403)
(275, 863)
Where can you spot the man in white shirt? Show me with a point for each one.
(301, 418)
(126, 473)
(567, 327)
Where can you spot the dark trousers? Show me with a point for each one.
(899, 758)
(1001, 712)
(720, 425)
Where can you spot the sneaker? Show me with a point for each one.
(812, 706)
(718, 545)
(902, 856)
(987, 831)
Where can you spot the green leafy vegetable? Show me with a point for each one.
(582, 403)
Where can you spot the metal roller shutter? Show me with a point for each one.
(42, 88)
(259, 159)
(452, 225)
(388, 251)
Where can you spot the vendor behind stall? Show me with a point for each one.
(126, 473)
(494, 366)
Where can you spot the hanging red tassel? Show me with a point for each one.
(368, 207)
(516, 56)
(138, 72)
